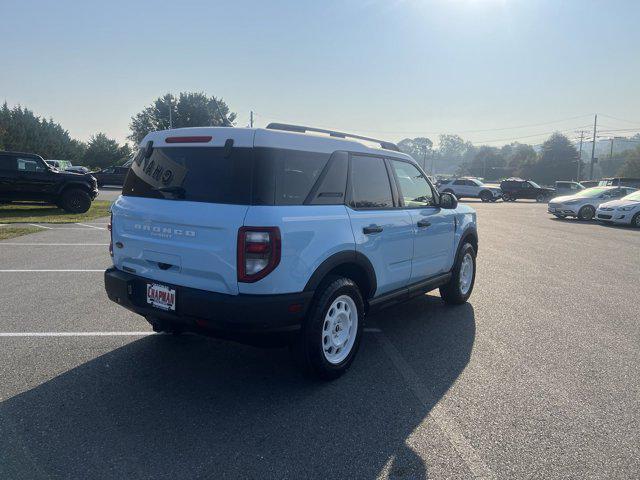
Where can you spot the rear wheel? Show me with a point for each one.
(75, 200)
(331, 333)
(459, 288)
(586, 213)
(486, 196)
(541, 198)
(635, 221)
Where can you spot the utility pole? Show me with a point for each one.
(170, 108)
(580, 155)
(251, 119)
(611, 152)
(593, 147)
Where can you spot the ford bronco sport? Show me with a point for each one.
(287, 234)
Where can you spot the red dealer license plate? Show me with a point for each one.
(161, 296)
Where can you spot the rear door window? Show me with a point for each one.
(370, 187)
(197, 174)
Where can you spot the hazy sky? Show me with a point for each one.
(388, 68)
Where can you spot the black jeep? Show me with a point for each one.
(515, 188)
(27, 177)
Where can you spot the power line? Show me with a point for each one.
(620, 119)
(412, 132)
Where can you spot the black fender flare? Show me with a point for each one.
(470, 235)
(343, 258)
(67, 185)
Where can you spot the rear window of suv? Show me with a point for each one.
(242, 176)
(197, 174)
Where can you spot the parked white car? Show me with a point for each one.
(625, 211)
(584, 204)
(471, 188)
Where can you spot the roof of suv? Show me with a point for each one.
(262, 137)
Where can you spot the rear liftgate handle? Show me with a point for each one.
(424, 223)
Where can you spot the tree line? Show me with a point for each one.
(556, 159)
(21, 130)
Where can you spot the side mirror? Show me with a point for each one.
(448, 201)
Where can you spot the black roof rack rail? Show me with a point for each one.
(300, 129)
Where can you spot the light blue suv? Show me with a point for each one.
(286, 234)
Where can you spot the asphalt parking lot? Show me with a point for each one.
(536, 377)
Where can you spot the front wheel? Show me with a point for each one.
(486, 196)
(75, 200)
(331, 333)
(459, 288)
(586, 213)
(635, 221)
(541, 198)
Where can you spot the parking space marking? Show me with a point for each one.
(14, 244)
(40, 226)
(50, 270)
(438, 413)
(77, 334)
(90, 226)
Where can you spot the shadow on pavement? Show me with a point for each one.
(191, 407)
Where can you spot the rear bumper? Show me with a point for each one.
(211, 313)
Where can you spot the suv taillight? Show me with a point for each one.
(110, 228)
(258, 252)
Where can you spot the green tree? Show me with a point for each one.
(631, 166)
(452, 152)
(187, 110)
(103, 151)
(558, 160)
(21, 130)
(487, 162)
(420, 148)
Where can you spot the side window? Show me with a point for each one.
(414, 188)
(526, 185)
(460, 182)
(29, 165)
(7, 163)
(108, 170)
(370, 185)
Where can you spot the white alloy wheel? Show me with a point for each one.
(339, 329)
(466, 273)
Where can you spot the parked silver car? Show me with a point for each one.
(584, 204)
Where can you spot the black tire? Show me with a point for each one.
(453, 292)
(541, 198)
(586, 213)
(635, 221)
(75, 200)
(486, 196)
(309, 347)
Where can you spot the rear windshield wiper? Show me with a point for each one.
(179, 192)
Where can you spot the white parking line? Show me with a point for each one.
(76, 334)
(90, 226)
(54, 244)
(40, 226)
(439, 413)
(48, 270)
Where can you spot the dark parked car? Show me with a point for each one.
(111, 176)
(77, 169)
(27, 177)
(515, 188)
(620, 182)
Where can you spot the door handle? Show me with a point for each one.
(371, 229)
(424, 223)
